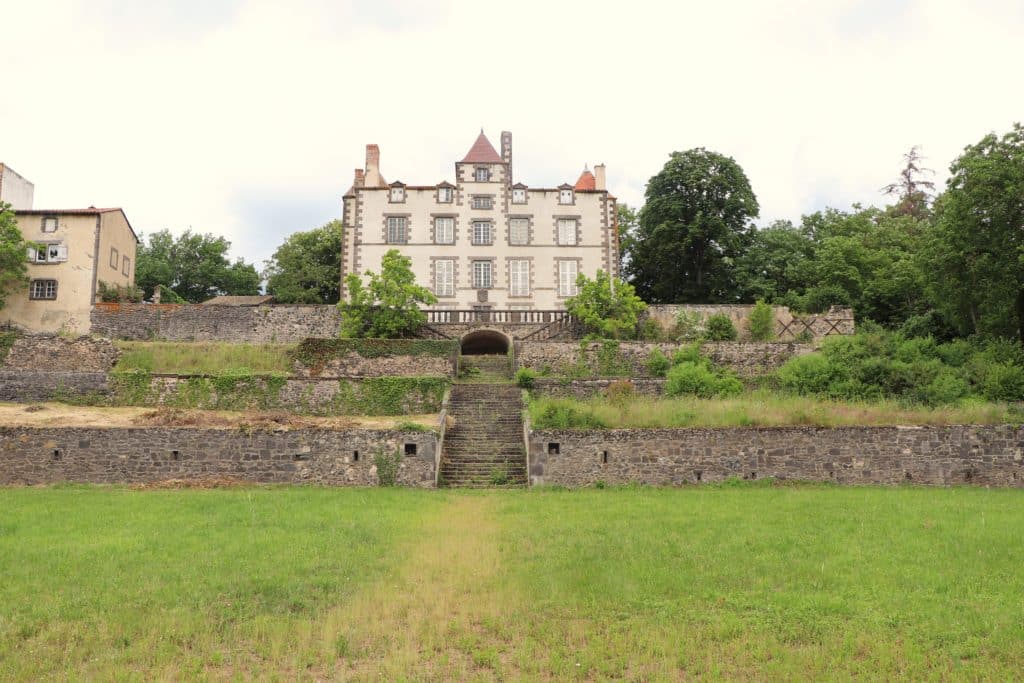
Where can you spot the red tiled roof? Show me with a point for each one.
(482, 152)
(91, 211)
(586, 181)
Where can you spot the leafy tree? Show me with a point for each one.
(913, 191)
(629, 220)
(719, 327)
(13, 248)
(193, 265)
(761, 322)
(975, 254)
(606, 306)
(389, 305)
(307, 267)
(776, 263)
(693, 226)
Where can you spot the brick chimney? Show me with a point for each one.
(599, 179)
(359, 178)
(373, 177)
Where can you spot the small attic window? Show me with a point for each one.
(398, 194)
(481, 174)
(444, 195)
(49, 224)
(518, 196)
(565, 196)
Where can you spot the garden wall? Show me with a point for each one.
(630, 358)
(136, 455)
(932, 455)
(48, 352)
(837, 320)
(376, 358)
(586, 388)
(195, 322)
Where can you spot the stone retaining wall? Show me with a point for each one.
(30, 386)
(134, 455)
(354, 365)
(47, 352)
(283, 324)
(746, 358)
(930, 455)
(586, 388)
(837, 320)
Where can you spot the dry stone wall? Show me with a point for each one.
(587, 388)
(355, 365)
(51, 352)
(283, 324)
(930, 455)
(788, 326)
(746, 358)
(135, 455)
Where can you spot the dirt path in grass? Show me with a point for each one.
(437, 615)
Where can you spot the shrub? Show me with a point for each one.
(565, 415)
(1004, 382)
(620, 392)
(650, 329)
(947, 387)
(525, 378)
(761, 322)
(719, 327)
(657, 363)
(805, 337)
(689, 354)
(698, 379)
(810, 374)
(110, 293)
(689, 325)
(387, 466)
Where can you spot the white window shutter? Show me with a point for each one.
(31, 254)
(62, 252)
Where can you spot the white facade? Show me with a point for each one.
(15, 190)
(483, 241)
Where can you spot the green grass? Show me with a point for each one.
(203, 357)
(756, 409)
(737, 581)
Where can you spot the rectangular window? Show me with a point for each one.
(396, 230)
(567, 272)
(482, 174)
(43, 289)
(444, 195)
(444, 277)
(519, 278)
(519, 196)
(481, 274)
(114, 260)
(519, 231)
(482, 232)
(125, 263)
(48, 253)
(567, 231)
(444, 230)
(565, 197)
(397, 194)
(50, 224)
(482, 202)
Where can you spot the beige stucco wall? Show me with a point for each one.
(69, 312)
(115, 234)
(15, 189)
(595, 211)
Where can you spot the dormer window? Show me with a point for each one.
(481, 174)
(444, 195)
(565, 196)
(50, 224)
(397, 194)
(519, 195)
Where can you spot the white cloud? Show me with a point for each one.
(221, 115)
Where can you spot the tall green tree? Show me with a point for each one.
(388, 305)
(975, 253)
(306, 269)
(629, 220)
(606, 306)
(13, 252)
(694, 224)
(775, 264)
(194, 265)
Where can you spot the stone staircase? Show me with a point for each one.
(484, 448)
(485, 368)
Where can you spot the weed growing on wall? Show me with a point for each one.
(389, 395)
(132, 387)
(316, 353)
(387, 466)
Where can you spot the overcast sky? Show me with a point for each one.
(245, 118)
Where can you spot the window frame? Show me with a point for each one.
(518, 195)
(477, 281)
(446, 288)
(514, 220)
(450, 220)
(481, 174)
(566, 193)
(559, 224)
(115, 258)
(403, 221)
(490, 233)
(572, 289)
(522, 279)
(46, 219)
(125, 263)
(400, 189)
(46, 283)
(445, 192)
(481, 202)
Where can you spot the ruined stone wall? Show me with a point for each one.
(930, 455)
(283, 324)
(51, 352)
(133, 455)
(746, 358)
(837, 320)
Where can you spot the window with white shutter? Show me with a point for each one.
(444, 195)
(481, 274)
(397, 194)
(567, 272)
(396, 230)
(567, 231)
(565, 197)
(444, 277)
(444, 230)
(482, 232)
(519, 231)
(518, 196)
(519, 277)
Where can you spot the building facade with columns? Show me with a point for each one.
(483, 240)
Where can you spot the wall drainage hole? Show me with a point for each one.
(700, 475)
(301, 456)
(908, 476)
(355, 456)
(56, 454)
(554, 448)
(604, 457)
(175, 455)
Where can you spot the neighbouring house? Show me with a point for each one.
(484, 241)
(14, 189)
(74, 250)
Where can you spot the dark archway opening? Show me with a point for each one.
(484, 342)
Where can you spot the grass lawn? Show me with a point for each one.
(203, 357)
(735, 581)
(761, 408)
